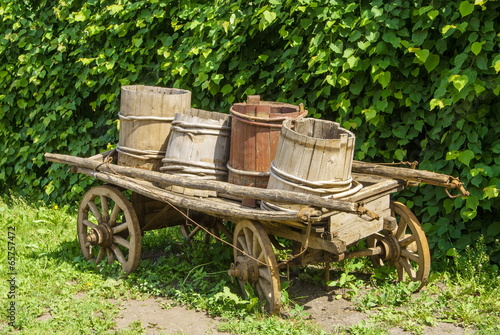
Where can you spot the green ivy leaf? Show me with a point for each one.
(226, 89)
(476, 47)
(269, 16)
(431, 62)
(496, 64)
(493, 229)
(459, 81)
(433, 14)
(384, 78)
(450, 155)
(400, 154)
(369, 113)
(422, 54)
(466, 8)
(466, 156)
(491, 192)
(472, 201)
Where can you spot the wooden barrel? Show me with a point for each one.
(198, 147)
(315, 157)
(256, 127)
(146, 113)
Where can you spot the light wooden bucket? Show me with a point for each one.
(198, 147)
(146, 113)
(256, 127)
(315, 157)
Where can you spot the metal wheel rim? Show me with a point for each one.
(116, 212)
(251, 237)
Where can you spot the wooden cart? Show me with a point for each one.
(110, 224)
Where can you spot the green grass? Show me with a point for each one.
(59, 292)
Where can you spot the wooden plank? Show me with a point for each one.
(351, 228)
(228, 210)
(335, 245)
(420, 176)
(235, 190)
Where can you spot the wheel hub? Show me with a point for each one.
(100, 235)
(390, 248)
(245, 269)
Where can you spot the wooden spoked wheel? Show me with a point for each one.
(214, 226)
(255, 263)
(405, 247)
(108, 228)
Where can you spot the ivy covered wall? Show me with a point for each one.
(413, 81)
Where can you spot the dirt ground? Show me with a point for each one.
(159, 317)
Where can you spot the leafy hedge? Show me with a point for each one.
(413, 81)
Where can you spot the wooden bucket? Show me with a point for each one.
(315, 157)
(198, 147)
(256, 127)
(146, 113)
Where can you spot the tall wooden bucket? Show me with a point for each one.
(146, 113)
(256, 127)
(315, 157)
(198, 147)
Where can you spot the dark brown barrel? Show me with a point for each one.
(255, 132)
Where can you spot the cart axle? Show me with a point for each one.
(100, 235)
(245, 269)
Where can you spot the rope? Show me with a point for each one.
(140, 154)
(311, 189)
(185, 124)
(247, 173)
(200, 132)
(296, 179)
(144, 118)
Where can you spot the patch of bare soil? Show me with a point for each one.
(158, 317)
(331, 313)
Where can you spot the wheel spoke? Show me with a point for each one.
(410, 255)
(121, 241)
(265, 274)
(100, 256)
(89, 224)
(194, 231)
(256, 249)
(224, 230)
(407, 241)
(119, 228)
(243, 243)
(110, 256)
(401, 271)
(266, 290)
(262, 256)
(95, 211)
(105, 208)
(403, 224)
(248, 239)
(118, 253)
(114, 215)
(260, 292)
(407, 267)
